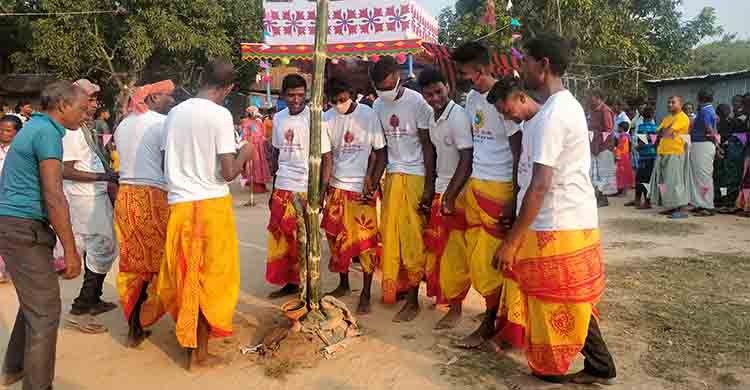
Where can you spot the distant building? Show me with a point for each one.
(16, 86)
(723, 85)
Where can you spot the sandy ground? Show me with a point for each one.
(391, 356)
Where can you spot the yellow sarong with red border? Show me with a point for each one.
(439, 228)
(549, 296)
(351, 227)
(201, 271)
(483, 202)
(282, 263)
(403, 261)
(141, 217)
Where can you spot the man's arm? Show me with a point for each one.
(59, 214)
(326, 168)
(71, 173)
(428, 151)
(375, 172)
(232, 165)
(541, 181)
(458, 181)
(515, 148)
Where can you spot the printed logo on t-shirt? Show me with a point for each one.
(348, 137)
(290, 145)
(393, 130)
(348, 146)
(480, 133)
(478, 120)
(289, 136)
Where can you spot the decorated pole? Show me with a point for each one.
(313, 189)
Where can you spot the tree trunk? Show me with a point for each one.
(314, 190)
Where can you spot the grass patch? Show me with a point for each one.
(651, 227)
(694, 312)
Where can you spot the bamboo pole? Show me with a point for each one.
(314, 190)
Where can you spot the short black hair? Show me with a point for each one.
(380, 70)
(598, 93)
(624, 124)
(337, 85)
(724, 109)
(553, 47)
(430, 76)
(16, 121)
(218, 74)
(503, 88)
(705, 96)
(292, 81)
(99, 111)
(648, 112)
(22, 103)
(471, 53)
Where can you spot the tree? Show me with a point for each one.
(726, 55)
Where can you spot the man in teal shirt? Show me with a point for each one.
(32, 199)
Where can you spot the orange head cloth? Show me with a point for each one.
(138, 100)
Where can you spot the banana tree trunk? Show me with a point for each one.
(314, 190)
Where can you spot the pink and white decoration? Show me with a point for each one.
(293, 23)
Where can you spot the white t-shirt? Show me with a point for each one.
(557, 137)
(401, 121)
(353, 137)
(493, 159)
(450, 133)
(197, 131)
(291, 136)
(140, 140)
(75, 148)
(3, 154)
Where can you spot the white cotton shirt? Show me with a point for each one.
(75, 148)
(557, 137)
(291, 136)
(401, 121)
(140, 140)
(493, 159)
(353, 137)
(450, 134)
(3, 154)
(197, 131)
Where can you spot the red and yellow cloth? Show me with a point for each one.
(549, 296)
(141, 217)
(351, 226)
(282, 263)
(201, 271)
(483, 203)
(403, 261)
(436, 234)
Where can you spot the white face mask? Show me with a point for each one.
(343, 108)
(389, 95)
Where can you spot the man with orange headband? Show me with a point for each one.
(141, 210)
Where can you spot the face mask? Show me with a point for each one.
(343, 108)
(389, 95)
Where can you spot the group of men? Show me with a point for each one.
(467, 200)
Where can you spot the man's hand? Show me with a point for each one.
(110, 177)
(448, 206)
(425, 205)
(370, 188)
(72, 265)
(505, 257)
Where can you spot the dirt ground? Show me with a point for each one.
(676, 315)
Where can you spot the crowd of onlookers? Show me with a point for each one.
(695, 160)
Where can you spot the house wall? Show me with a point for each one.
(723, 90)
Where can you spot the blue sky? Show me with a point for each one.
(732, 13)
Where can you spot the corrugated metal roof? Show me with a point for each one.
(705, 77)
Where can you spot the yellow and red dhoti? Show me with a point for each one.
(436, 236)
(351, 226)
(141, 216)
(549, 296)
(201, 271)
(282, 263)
(403, 261)
(483, 202)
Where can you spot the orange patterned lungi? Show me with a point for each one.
(351, 226)
(436, 235)
(282, 263)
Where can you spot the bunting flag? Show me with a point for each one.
(509, 6)
(742, 137)
(489, 14)
(443, 58)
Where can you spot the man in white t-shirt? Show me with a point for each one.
(553, 253)
(450, 132)
(490, 193)
(142, 197)
(199, 280)
(350, 218)
(409, 184)
(85, 185)
(290, 159)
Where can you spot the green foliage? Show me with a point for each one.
(727, 55)
(146, 40)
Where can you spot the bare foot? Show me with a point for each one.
(408, 313)
(289, 289)
(340, 291)
(208, 362)
(450, 320)
(364, 305)
(11, 378)
(477, 338)
(136, 338)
